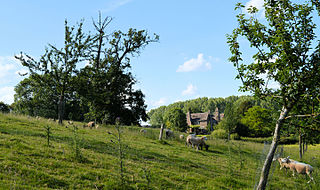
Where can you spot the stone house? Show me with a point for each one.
(205, 120)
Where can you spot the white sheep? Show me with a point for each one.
(282, 164)
(181, 136)
(188, 142)
(299, 167)
(196, 142)
(91, 124)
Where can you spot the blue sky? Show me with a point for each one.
(190, 60)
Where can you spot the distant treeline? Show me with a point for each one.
(200, 105)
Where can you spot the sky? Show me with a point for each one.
(189, 61)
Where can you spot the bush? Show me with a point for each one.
(234, 136)
(220, 134)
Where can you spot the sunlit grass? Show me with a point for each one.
(26, 162)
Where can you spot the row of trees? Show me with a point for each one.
(244, 115)
(58, 87)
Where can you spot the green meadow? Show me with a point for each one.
(83, 158)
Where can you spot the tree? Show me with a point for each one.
(156, 116)
(107, 83)
(231, 119)
(58, 66)
(288, 53)
(5, 108)
(175, 119)
(258, 121)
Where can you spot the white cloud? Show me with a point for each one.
(113, 5)
(7, 65)
(191, 90)
(7, 94)
(193, 64)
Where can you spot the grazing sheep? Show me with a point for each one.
(282, 164)
(197, 142)
(299, 167)
(70, 122)
(181, 136)
(169, 133)
(91, 124)
(188, 142)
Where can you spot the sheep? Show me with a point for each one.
(181, 136)
(143, 131)
(169, 133)
(70, 122)
(299, 167)
(282, 164)
(188, 142)
(196, 142)
(91, 124)
(51, 120)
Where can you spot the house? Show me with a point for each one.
(202, 122)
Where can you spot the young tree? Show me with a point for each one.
(288, 53)
(58, 66)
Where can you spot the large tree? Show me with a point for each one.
(287, 52)
(107, 83)
(58, 66)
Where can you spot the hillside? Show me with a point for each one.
(88, 159)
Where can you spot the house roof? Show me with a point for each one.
(200, 116)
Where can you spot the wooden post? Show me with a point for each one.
(161, 132)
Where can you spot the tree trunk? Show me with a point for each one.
(306, 147)
(300, 144)
(266, 166)
(161, 132)
(303, 146)
(60, 109)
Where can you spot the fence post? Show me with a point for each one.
(161, 132)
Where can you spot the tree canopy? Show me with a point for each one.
(102, 90)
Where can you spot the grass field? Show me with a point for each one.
(89, 159)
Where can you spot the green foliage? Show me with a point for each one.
(220, 134)
(156, 116)
(100, 91)
(194, 126)
(258, 121)
(5, 108)
(55, 70)
(234, 136)
(175, 119)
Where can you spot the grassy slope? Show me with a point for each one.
(27, 163)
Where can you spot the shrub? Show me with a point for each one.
(220, 134)
(234, 136)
